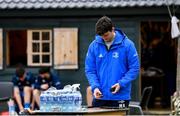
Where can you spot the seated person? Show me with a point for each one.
(23, 85)
(45, 80)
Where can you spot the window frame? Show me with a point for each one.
(30, 52)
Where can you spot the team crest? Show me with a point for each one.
(115, 55)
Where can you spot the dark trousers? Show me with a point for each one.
(110, 103)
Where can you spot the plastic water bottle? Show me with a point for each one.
(49, 101)
(77, 97)
(43, 100)
(59, 100)
(64, 101)
(52, 101)
(79, 100)
(66, 98)
(11, 106)
(47, 96)
(55, 101)
(70, 101)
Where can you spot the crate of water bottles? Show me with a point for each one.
(68, 99)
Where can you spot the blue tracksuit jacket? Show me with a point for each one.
(28, 81)
(52, 81)
(119, 64)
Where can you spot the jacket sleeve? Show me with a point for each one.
(14, 81)
(90, 69)
(55, 81)
(133, 66)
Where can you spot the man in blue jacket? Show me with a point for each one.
(44, 81)
(111, 65)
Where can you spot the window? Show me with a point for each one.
(39, 48)
(35, 48)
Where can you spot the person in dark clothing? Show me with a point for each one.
(44, 81)
(23, 86)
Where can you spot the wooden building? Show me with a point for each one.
(57, 33)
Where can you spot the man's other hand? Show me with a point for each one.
(97, 93)
(116, 88)
(44, 86)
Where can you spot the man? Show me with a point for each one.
(23, 85)
(111, 64)
(44, 81)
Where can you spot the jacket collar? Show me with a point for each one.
(117, 40)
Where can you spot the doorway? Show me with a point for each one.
(158, 62)
(16, 51)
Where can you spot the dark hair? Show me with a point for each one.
(44, 70)
(20, 70)
(103, 25)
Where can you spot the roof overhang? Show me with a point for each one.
(62, 4)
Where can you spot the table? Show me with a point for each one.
(87, 111)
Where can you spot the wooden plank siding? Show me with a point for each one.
(65, 48)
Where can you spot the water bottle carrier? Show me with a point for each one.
(67, 99)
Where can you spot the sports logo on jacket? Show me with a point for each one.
(100, 56)
(115, 55)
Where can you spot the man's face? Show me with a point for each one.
(108, 36)
(22, 77)
(45, 75)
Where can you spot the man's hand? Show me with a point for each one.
(44, 86)
(97, 93)
(116, 88)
